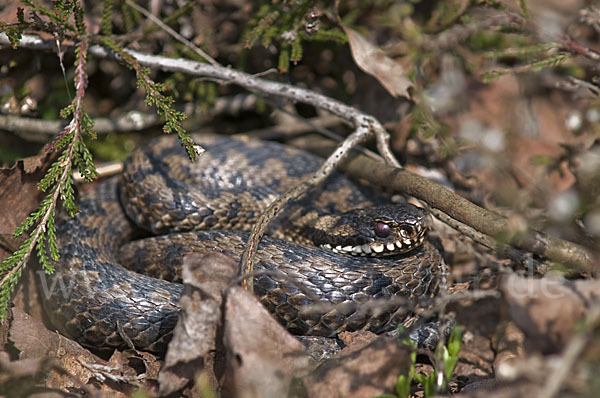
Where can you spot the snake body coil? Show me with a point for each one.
(93, 299)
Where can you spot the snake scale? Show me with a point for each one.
(359, 249)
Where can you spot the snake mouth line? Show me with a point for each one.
(400, 245)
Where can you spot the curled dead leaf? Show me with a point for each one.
(372, 60)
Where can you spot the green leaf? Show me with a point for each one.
(450, 364)
(14, 35)
(296, 54)
(492, 75)
(7, 289)
(455, 341)
(20, 15)
(428, 383)
(284, 60)
(107, 17)
(403, 386)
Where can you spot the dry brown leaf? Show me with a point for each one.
(19, 196)
(31, 337)
(205, 276)
(23, 377)
(367, 372)
(64, 364)
(547, 309)
(262, 357)
(372, 60)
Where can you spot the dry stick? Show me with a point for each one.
(291, 130)
(130, 121)
(318, 124)
(507, 251)
(577, 48)
(350, 114)
(572, 352)
(365, 125)
(39, 130)
(172, 32)
(461, 209)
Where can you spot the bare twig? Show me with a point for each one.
(584, 88)
(504, 250)
(173, 33)
(591, 16)
(458, 33)
(572, 352)
(577, 48)
(318, 124)
(103, 170)
(130, 121)
(127, 122)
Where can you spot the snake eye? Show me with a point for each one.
(382, 230)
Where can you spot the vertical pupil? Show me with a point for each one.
(382, 230)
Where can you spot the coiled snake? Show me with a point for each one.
(361, 254)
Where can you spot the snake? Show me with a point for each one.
(117, 281)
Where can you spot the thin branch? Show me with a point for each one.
(126, 122)
(577, 48)
(583, 88)
(458, 33)
(572, 352)
(504, 250)
(173, 33)
(103, 170)
(318, 124)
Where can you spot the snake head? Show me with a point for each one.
(378, 231)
